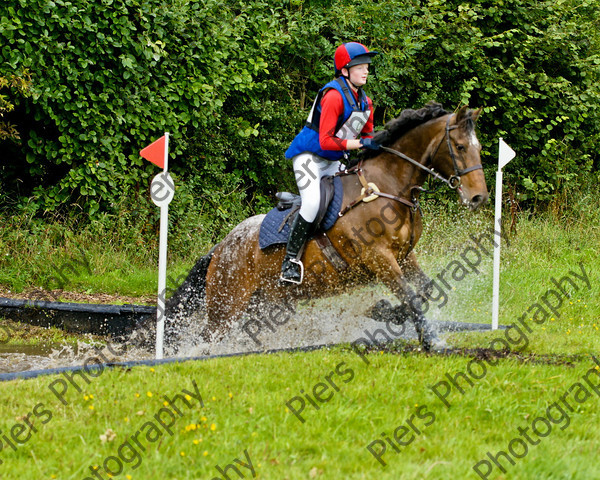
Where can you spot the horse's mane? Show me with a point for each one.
(407, 120)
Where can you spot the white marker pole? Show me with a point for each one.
(162, 191)
(505, 155)
(160, 182)
(162, 265)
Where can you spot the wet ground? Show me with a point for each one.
(335, 320)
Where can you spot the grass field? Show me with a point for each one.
(530, 414)
(248, 404)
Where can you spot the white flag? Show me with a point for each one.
(505, 154)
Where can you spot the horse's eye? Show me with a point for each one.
(460, 147)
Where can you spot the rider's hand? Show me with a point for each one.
(370, 144)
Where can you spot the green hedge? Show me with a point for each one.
(232, 82)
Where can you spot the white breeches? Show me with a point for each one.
(309, 169)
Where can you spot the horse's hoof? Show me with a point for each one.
(436, 345)
(427, 290)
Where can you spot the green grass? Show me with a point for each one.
(542, 248)
(89, 258)
(246, 403)
(25, 334)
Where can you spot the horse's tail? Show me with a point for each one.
(189, 297)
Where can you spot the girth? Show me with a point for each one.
(371, 192)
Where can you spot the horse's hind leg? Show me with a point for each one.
(264, 317)
(415, 275)
(189, 296)
(238, 270)
(222, 312)
(230, 286)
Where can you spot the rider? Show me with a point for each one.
(341, 114)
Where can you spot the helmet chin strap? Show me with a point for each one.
(350, 81)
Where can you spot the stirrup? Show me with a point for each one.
(297, 282)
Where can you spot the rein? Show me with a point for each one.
(370, 191)
(449, 181)
(453, 181)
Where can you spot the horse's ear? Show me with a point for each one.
(461, 114)
(475, 114)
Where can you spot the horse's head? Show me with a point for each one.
(457, 156)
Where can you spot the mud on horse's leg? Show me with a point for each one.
(427, 335)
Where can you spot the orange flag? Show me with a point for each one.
(155, 152)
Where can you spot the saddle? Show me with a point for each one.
(292, 201)
(275, 227)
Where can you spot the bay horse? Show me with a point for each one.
(374, 238)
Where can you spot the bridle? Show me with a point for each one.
(370, 191)
(454, 180)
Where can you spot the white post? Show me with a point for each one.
(497, 221)
(162, 264)
(505, 155)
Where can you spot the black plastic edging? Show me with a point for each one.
(96, 319)
(151, 362)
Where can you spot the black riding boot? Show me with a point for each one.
(292, 269)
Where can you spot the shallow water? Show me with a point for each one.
(325, 321)
(21, 358)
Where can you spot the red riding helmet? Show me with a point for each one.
(349, 54)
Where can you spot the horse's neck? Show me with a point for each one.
(398, 174)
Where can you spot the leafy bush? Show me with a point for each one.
(232, 82)
(534, 67)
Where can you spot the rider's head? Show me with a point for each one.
(353, 54)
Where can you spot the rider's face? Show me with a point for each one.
(358, 74)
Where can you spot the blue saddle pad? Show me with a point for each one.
(269, 228)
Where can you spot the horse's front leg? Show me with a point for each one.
(409, 308)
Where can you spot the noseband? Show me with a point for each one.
(454, 180)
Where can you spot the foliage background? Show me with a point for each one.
(86, 84)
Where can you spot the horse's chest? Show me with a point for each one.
(402, 238)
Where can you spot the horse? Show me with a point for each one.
(374, 237)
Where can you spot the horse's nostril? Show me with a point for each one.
(477, 200)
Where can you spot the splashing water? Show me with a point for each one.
(340, 319)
